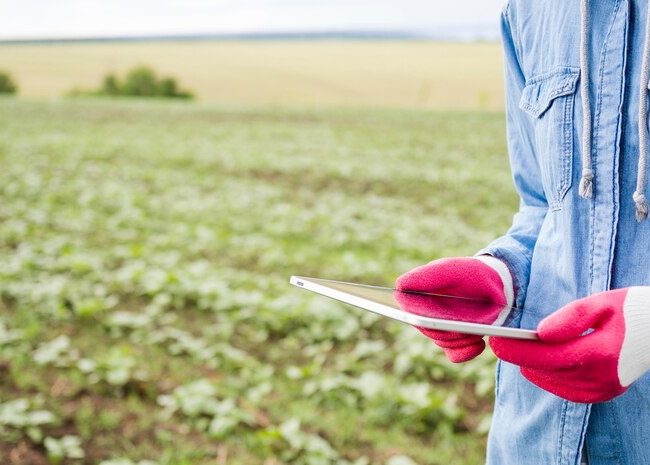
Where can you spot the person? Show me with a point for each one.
(576, 260)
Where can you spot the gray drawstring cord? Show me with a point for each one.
(639, 193)
(586, 182)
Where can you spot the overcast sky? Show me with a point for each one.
(97, 18)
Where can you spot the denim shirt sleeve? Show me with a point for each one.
(516, 246)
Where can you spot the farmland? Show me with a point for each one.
(145, 314)
(426, 75)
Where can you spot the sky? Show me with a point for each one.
(108, 18)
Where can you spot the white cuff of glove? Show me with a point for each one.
(508, 287)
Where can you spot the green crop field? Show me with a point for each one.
(145, 313)
(425, 75)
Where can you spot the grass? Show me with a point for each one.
(146, 248)
(351, 73)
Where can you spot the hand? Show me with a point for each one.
(586, 366)
(482, 278)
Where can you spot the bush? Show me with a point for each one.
(111, 86)
(7, 84)
(141, 81)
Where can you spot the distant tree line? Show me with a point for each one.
(141, 81)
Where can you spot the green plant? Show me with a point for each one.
(116, 367)
(67, 447)
(123, 461)
(21, 415)
(57, 352)
(7, 84)
(141, 81)
(198, 401)
(168, 87)
(400, 460)
(110, 85)
(296, 447)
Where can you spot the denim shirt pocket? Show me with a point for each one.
(549, 99)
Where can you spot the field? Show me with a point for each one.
(425, 75)
(145, 248)
(145, 313)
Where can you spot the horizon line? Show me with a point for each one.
(463, 36)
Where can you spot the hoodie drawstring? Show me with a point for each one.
(639, 193)
(587, 180)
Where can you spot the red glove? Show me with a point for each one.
(581, 365)
(484, 278)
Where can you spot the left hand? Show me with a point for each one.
(483, 279)
(583, 366)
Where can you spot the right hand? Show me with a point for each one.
(480, 279)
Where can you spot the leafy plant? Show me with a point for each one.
(127, 462)
(7, 84)
(198, 401)
(67, 447)
(400, 460)
(116, 367)
(296, 447)
(57, 352)
(141, 81)
(21, 415)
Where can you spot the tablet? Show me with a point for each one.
(431, 311)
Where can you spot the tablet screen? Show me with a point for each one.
(444, 307)
(423, 310)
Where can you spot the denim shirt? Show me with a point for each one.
(562, 247)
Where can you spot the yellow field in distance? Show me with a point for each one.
(417, 74)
